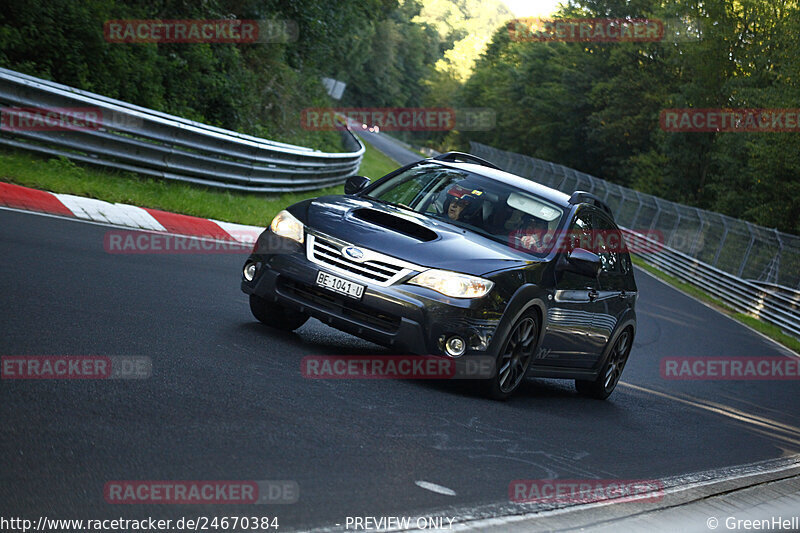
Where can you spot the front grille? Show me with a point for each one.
(340, 304)
(374, 267)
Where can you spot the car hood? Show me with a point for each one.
(449, 247)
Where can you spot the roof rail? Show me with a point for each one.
(467, 158)
(583, 197)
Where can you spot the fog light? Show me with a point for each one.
(455, 346)
(249, 271)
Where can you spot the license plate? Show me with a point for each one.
(340, 285)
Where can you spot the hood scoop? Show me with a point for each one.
(395, 223)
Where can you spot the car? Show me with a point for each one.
(453, 257)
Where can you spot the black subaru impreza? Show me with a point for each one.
(453, 257)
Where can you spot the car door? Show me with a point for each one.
(569, 339)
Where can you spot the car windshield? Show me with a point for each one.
(491, 208)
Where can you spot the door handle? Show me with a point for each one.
(593, 295)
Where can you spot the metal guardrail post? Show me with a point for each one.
(747, 252)
(658, 213)
(674, 229)
(693, 250)
(725, 232)
(564, 179)
(638, 208)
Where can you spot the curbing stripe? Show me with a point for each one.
(186, 225)
(141, 218)
(92, 209)
(27, 199)
(240, 232)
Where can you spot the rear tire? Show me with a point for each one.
(609, 376)
(515, 356)
(275, 315)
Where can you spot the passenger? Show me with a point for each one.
(534, 235)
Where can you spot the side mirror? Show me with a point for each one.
(583, 262)
(355, 184)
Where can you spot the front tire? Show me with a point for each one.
(275, 315)
(607, 380)
(514, 358)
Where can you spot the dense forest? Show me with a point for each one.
(386, 51)
(593, 106)
(596, 106)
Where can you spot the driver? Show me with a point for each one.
(462, 204)
(455, 211)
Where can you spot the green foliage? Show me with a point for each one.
(464, 28)
(259, 89)
(596, 106)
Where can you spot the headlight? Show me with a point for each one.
(453, 284)
(285, 225)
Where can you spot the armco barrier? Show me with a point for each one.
(752, 269)
(156, 144)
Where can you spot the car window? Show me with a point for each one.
(406, 191)
(580, 233)
(608, 244)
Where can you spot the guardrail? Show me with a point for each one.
(141, 140)
(679, 255)
(740, 294)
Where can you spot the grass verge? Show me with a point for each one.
(375, 164)
(63, 176)
(771, 331)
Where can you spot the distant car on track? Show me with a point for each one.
(453, 257)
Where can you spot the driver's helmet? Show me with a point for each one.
(470, 199)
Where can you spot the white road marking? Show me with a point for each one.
(433, 487)
(767, 426)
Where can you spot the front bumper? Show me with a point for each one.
(407, 318)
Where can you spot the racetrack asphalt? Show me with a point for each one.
(227, 401)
